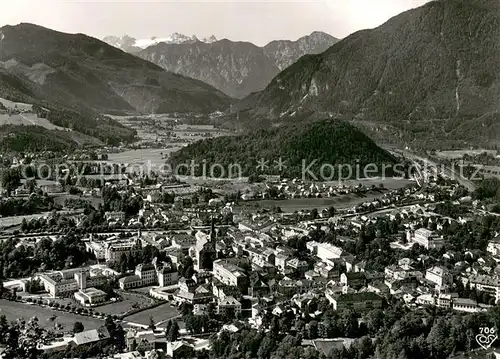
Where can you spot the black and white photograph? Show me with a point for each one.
(249, 179)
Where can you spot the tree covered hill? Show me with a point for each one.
(325, 142)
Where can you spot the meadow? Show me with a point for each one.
(48, 318)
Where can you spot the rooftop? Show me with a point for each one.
(356, 297)
(91, 336)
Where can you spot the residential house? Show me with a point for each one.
(440, 276)
(427, 238)
(357, 301)
(356, 280)
(229, 306)
(92, 336)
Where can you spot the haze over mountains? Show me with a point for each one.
(429, 76)
(236, 68)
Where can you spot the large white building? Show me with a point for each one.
(162, 274)
(114, 251)
(228, 273)
(66, 282)
(111, 251)
(90, 296)
(427, 238)
(484, 283)
(324, 251)
(440, 276)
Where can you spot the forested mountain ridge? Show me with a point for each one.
(429, 75)
(329, 142)
(78, 70)
(73, 79)
(235, 67)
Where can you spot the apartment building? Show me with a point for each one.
(162, 274)
(357, 301)
(65, 283)
(228, 273)
(427, 238)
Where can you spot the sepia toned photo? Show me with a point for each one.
(236, 179)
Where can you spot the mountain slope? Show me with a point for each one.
(76, 70)
(236, 68)
(285, 52)
(424, 76)
(131, 45)
(293, 144)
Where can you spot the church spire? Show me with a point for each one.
(213, 235)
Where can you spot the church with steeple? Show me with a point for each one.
(204, 251)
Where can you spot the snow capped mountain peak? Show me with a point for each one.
(130, 44)
(210, 39)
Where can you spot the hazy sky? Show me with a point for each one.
(256, 21)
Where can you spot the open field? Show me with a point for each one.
(14, 310)
(297, 204)
(116, 308)
(461, 153)
(142, 156)
(169, 133)
(16, 105)
(128, 303)
(161, 313)
(61, 199)
(388, 183)
(17, 220)
(350, 200)
(28, 119)
(242, 185)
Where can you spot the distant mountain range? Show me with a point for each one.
(236, 68)
(75, 69)
(429, 77)
(130, 44)
(293, 144)
(78, 78)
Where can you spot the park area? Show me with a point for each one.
(48, 318)
(457, 154)
(160, 314)
(340, 201)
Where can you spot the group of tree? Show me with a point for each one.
(23, 260)
(488, 188)
(114, 201)
(56, 222)
(11, 179)
(19, 206)
(395, 332)
(293, 143)
(139, 255)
